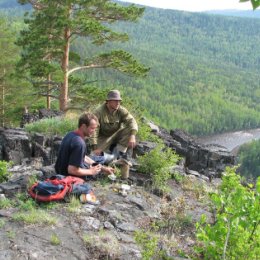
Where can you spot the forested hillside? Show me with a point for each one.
(204, 70)
(204, 73)
(248, 158)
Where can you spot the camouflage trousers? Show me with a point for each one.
(119, 139)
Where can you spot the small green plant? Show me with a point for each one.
(145, 134)
(52, 126)
(21, 196)
(196, 187)
(2, 223)
(74, 204)
(35, 216)
(24, 202)
(178, 177)
(5, 203)
(236, 231)
(174, 219)
(32, 179)
(157, 163)
(148, 243)
(55, 240)
(4, 173)
(11, 234)
(28, 205)
(106, 243)
(117, 172)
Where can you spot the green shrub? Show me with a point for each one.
(4, 173)
(53, 126)
(145, 134)
(158, 163)
(235, 235)
(148, 243)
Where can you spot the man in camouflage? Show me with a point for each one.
(117, 127)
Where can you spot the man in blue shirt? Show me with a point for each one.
(71, 159)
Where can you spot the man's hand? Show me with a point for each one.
(108, 170)
(96, 169)
(132, 141)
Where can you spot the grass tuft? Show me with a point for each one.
(52, 126)
(35, 216)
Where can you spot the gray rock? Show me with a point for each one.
(91, 223)
(128, 227)
(108, 225)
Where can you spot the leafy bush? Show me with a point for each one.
(235, 235)
(158, 163)
(145, 134)
(4, 173)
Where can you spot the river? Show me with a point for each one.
(231, 140)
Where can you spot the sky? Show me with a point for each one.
(194, 5)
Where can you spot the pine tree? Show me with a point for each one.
(55, 24)
(9, 54)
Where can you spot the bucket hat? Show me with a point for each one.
(113, 95)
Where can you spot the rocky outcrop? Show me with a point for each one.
(35, 116)
(209, 160)
(15, 145)
(20, 147)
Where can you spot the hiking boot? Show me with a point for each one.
(124, 158)
(108, 158)
(122, 161)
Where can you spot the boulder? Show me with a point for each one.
(15, 145)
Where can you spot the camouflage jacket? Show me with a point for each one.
(109, 123)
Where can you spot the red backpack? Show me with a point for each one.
(57, 187)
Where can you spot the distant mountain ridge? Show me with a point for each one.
(236, 13)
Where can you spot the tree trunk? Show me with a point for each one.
(3, 102)
(65, 68)
(48, 93)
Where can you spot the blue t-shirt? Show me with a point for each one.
(71, 152)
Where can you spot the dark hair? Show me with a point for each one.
(86, 118)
